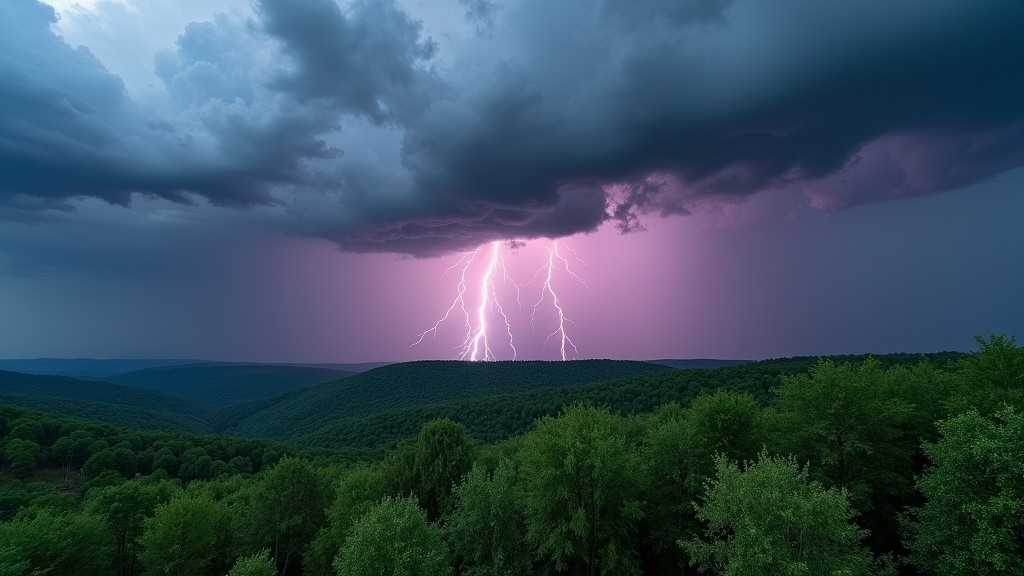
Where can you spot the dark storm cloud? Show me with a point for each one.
(362, 62)
(69, 129)
(562, 117)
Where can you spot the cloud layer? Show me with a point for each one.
(551, 119)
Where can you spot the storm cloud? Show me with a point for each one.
(553, 119)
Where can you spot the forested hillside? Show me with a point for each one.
(225, 384)
(860, 467)
(411, 384)
(112, 414)
(62, 387)
(495, 417)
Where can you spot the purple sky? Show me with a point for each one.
(288, 181)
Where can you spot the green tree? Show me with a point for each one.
(258, 564)
(847, 422)
(581, 491)
(357, 492)
(184, 537)
(45, 542)
(393, 539)
(678, 458)
(769, 518)
(13, 497)
(725, 423)
(286, 511)
(98, 463)
(991, 378)
(195, 464)
(21, 455)
(487, 531)
(125, 508)
(443, 455)
(973, 519)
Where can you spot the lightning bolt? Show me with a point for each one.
(548, 288)
(476, 346)
(459, 300)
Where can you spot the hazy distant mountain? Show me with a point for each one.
(96, 369)
(223, 384)
(104, 402)
(698, 363)
(357, 367)
(85, 367)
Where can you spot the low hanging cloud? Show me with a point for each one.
(552, 119)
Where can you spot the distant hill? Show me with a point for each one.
(14, 383)
(411, 384)
(357, 367)
(698, 363)
(222, 384)
(121, 415)
(90, 368)
(104, 402)
(336, 420)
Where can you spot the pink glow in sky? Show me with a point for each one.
(921, 274)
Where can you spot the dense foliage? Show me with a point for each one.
(112, 414)
(407, 385)
(62, 387)
(868, 466)
(495, 417)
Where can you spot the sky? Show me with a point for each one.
(315, 181)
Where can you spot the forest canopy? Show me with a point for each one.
(856, 466)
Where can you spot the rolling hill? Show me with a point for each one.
(15, 383)
(104, 402)
(120, 415)
(222, 384)
(375, 412)
(697, 363)
(86, 368)
(411, 384)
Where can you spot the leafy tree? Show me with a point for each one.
(668, 463)
(678, 459)
(990, 378)
(726, 423)
(357, 492)
(973, 519)
(13, 497)
(195, 464)
(443, 455)
(287, 511)
(580, 490)
(846, 421)
(184, 537)
(240, 465)
(101, 461)
(393, 539)
(125, 508)
(42, 541)
(487, 530)
(27, 427)
(21, 455)
(926, 390)
(256, 565)
(769, 518)
(399, 470)
(165, 460)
